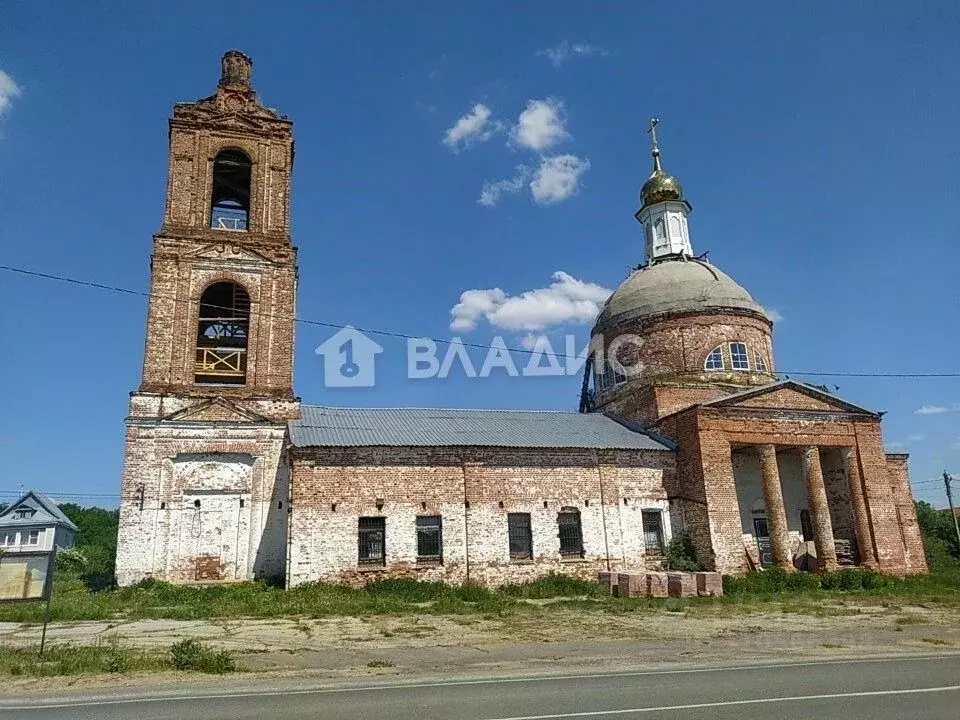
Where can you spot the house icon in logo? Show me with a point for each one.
(349, 359)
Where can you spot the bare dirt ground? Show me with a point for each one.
(547, 640)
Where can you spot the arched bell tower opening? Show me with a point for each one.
(222, 334)
(230, 193)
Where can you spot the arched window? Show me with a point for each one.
(738, 356)
(571, 533)
(659, 233)
(714, 360)
(222, 335)
(759, 364)
(230, 197)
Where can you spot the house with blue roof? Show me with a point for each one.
(34, 523)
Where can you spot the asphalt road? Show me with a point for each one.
(880, 689)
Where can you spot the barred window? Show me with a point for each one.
(521, 538)
(758, 362)
(571, 533)
(652, 531)
(429, 537)
(738, 356)
(372, 541)
(714, 360)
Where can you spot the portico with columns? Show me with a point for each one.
(785, 475)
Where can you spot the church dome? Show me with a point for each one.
(676, 286)
(660, 187)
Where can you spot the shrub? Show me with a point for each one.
(682, 554)
(188, 654)
(853, 579)
(71, 562)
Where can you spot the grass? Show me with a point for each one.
(910, 620)
(190, 655)
(102, 660)
(379, 664)
(789, 592)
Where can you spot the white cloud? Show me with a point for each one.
(914, 439)
(931, 410)
(473, 127)
(558, 178)
(491, 192)
(541, 125)
(565, 49)
(474, 304)
(774, 314)
(566, 300)
(8, 91)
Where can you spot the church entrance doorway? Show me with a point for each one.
(761, 530)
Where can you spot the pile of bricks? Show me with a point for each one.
(662, 584)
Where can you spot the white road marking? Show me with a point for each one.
(92, 702)
(728, 703)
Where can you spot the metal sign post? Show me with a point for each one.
(48, 592)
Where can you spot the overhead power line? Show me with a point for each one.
(406, 336)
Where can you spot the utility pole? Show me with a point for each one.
(956, 525)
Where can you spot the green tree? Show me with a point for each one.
(96, 541)
(939, 536)
(682, 553)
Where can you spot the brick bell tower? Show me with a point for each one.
(205, 478)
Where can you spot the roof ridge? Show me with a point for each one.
(459, 409)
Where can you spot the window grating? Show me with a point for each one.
(429, 537)
(652, 531)
(521, 538)
(571, 533)
(372, 541)
(738, 356)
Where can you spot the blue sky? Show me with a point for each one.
(818, 145)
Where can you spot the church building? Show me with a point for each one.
(683, 424)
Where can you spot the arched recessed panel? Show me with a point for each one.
(222, 335)
(230, 194)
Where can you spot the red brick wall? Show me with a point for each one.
(915, 560)
(672, 355)
(704, 436)
(473, 489)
